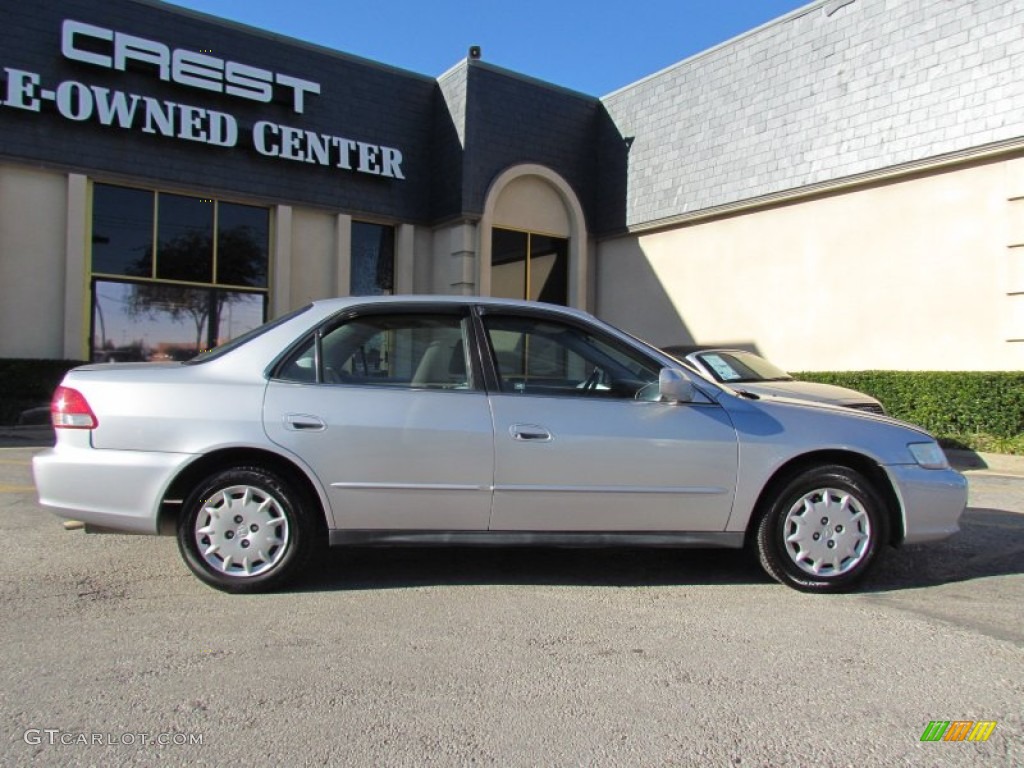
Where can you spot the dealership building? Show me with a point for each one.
(839, 189)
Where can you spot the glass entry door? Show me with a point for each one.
(527, 265)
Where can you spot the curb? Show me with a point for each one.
(987, 463)
(27, 437)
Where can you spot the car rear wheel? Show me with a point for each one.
(245, 529)
(822, 530)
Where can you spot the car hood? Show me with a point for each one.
(805, 390)
(781, 425)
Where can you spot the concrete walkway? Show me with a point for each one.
(987, 463)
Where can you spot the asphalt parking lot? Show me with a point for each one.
(115, 654)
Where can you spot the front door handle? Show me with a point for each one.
(530, 432)
(304, 422)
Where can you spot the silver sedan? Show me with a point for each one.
(433, 420)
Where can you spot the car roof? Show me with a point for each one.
(340, 303)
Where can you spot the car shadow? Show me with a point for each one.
(990, 543)
(406, 567)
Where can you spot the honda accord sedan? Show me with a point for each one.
(440, 421)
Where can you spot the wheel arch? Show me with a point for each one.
(862, 464)
(206, 465)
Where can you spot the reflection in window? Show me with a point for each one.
(122, 231)
(525, 265)
(218, 249)
(184, 249)
(154, 321)
(373, 259)
(243, 232)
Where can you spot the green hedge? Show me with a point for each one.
(25, 384)
(983, 411)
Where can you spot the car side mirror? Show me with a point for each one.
(674, 386)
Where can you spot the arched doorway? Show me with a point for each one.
(533, 239)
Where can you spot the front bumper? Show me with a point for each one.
(114, 490)
(931, 501)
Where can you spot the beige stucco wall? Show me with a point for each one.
(313, 256)
(33, 224)
(531, 203)
(911, 274)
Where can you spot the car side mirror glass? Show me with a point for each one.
(674, 386)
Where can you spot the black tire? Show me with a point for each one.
(822, 530)
(246, 529)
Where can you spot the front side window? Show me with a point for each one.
(539, 356)
(172, 274)
(419, 351)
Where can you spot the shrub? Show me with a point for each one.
(980, 410)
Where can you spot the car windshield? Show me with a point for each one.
(740, 367)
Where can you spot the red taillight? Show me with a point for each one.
(69, 410)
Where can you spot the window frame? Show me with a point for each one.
(529, 256)
(476, 377)
(492, 370)
(213, 287)
(389, 291)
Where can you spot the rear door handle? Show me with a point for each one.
(304, 422)
(530, 432)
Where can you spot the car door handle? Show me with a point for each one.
(530, 432)
(303, 422)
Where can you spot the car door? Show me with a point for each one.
(385, 407)
(581, 444)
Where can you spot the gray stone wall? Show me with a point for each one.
(449, 144)
(833, 90)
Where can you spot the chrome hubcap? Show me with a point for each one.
(827, 532)
(242, 531)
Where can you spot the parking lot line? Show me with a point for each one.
(16, 488)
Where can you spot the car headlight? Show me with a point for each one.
(929, 455)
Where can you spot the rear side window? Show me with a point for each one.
(411, 350)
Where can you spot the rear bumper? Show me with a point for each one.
(114, 490)
(932, 501)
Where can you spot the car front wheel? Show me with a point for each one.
(245, 529)
(822, 530)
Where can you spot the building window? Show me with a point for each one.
(373, 259)
(527, 265)
(173, 274)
